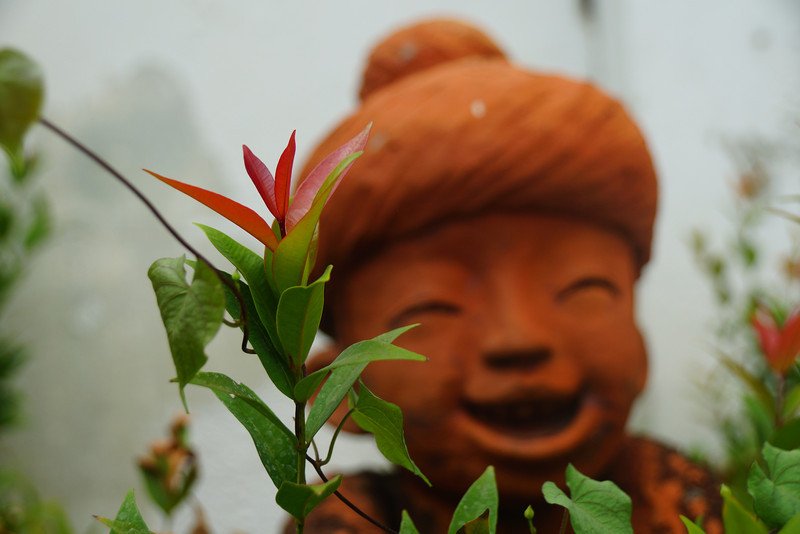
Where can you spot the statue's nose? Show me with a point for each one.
(512, 359)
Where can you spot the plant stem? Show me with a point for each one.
(564, 521)
(347, 502)
(157, 214)
(300, 435)
(780, 400)
(335, 435)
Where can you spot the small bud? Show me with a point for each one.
(529, 517)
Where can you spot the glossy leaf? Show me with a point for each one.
(21, 97)
(480, 497)
(342, 377)
(372, 350)
(298, 317)
(479, 525)
(306, 387)
(736, 518)
(283, 178)
(251, 266)
(220, 383)
(792, 527)
(691, 527)
(407, 526)
(332, 393)
(307, 192)
(261, 177)
(300, 499)
(128, 520)
(289, 263)
(191, 313)
(258, 337)
(384, 420)
(776, 490)
(594, 507)
(276, 446)
(240, 215)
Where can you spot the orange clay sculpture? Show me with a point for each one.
(510, 213)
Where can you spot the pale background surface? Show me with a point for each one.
(178, 86)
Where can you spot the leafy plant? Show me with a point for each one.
(757, 328)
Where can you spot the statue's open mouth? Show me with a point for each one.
(536, 428)
(527, 418)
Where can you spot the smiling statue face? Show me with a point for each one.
(535, 357)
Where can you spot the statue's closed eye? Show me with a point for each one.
(588, 284)
(439, 307)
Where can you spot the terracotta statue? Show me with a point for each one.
(510, 213)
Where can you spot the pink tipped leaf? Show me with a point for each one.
(290, 263)
(283, 178)
(307, 191)
(262, 179)
(767, 331)
(789, 344)
(242, 216)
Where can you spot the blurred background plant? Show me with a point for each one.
(24, 227)
(756, 330)
(170, 470)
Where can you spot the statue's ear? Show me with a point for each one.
(317, 361)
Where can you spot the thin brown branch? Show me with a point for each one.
(347, 502)
(157, 214)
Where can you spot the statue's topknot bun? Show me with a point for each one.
(422, 46)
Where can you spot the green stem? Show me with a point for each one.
(780, 399)
(335, 435)
(300, 435)
(564, 520)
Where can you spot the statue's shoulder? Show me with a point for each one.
(664, 484)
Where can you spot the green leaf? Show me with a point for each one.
(298, 317)
(275, 444)
(756, 385)
(21, 96)
(191, 314)
(272, 361)
(251, 265)
(351, 363)
(407, 525)
(128, 520)
(736, 518)
(792, 527)
(289, 263)
(300, 499)
(373, 350)
(788, 436)
(691, 527)
(759, 417)
(480, 497)
(220, 383)
(40, 225)
(792, 402)
(385, 421)
(776, 491)
(308, 385)
(479, 525)
(594, 507)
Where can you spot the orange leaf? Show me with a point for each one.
(242, 216)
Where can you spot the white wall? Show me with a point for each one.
(178, 86)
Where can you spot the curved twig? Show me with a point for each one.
(347, 502)
(157, 214)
